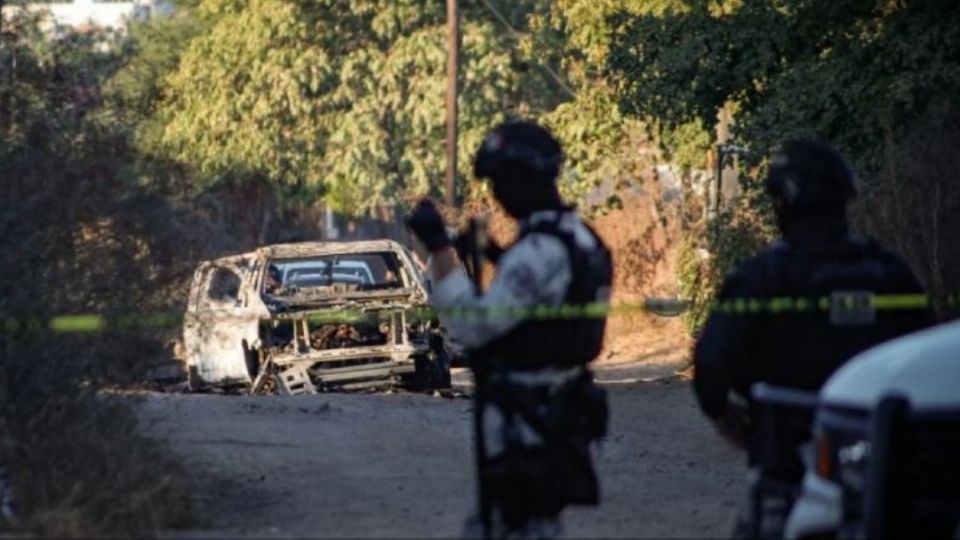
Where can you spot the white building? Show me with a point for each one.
(107, 14)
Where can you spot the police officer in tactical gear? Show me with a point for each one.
(816, 257)
(536, 405)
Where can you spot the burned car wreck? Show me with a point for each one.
(308, 317)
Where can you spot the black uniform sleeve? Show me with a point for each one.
(720, 356)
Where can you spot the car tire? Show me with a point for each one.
(194, 383)
(432, 369)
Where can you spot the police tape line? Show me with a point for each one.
(852, 302)
(91, 322)
(841, 301)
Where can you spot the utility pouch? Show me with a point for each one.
(852, 308)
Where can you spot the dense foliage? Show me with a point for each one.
(871, 77)
(78, 235)
(847, 71)
(343, 102)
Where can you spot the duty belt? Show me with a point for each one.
(545, 376)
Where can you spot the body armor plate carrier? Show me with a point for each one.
(562, 342)
(539, 480)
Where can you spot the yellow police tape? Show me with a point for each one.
(881, 302)
(94, 323)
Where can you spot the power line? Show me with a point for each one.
(516, 35)
(453, 68)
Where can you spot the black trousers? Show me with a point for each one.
(542, 461)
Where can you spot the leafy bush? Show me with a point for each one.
(78, 234)
(709, 252)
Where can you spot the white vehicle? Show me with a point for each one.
(887, 444)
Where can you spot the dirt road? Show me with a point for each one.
(398, 465)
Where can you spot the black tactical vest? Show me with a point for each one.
(569, 340)
(801, 350)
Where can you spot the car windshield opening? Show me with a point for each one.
(333, 273)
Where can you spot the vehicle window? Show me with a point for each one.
(355, 271)
(224, 286)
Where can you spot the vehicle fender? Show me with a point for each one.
(819, 508)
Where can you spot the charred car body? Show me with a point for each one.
(301, 318)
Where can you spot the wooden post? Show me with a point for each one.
(717, 183)
(453, 65)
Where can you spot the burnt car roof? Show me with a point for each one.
(308, 249)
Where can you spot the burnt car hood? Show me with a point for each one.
(358, 299)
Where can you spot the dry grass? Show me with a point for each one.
(644, 242)
(79, 465)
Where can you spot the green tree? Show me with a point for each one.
(858, 74)
(151, 53)
(389, 144)
(344, 99)
(570, 39)
(845, 71)
(75, 238)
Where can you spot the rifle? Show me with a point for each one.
(470, 245)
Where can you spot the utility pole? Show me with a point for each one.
(727, 155)
(453, 68)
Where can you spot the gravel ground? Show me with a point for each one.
(399, 465)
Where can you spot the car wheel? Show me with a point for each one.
(432, 369)
(194, 383)
(252, 358)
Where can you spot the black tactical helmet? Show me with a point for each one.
(810, 178)
(519, 144)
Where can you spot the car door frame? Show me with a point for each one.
(221, 336)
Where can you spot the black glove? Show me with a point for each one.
(427, 225)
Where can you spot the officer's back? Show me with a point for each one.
(800, 344)
(815, 288)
